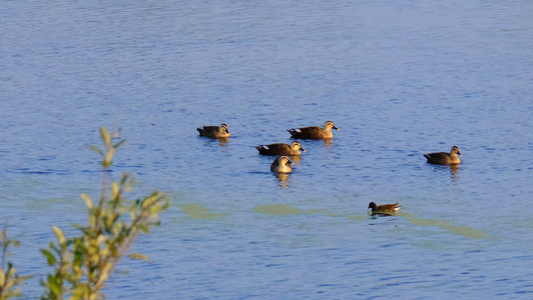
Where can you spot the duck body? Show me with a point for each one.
(215, 131)
(444, 158)
(313, 132)
(281, 149)
(384, 207)
(281, 164)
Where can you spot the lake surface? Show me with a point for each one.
(399, 79)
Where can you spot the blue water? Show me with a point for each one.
(399, 80)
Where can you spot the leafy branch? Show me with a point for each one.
(83, 263)
(8, 279)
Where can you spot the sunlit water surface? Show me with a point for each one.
(398, 78)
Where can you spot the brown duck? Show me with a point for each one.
(281, 149)
(444, 158)
(384, 207)
(281, 164)
(215, 131)
(313, 132)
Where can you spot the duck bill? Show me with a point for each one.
(459, 153)
(335, 128)
(303, 150)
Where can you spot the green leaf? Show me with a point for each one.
(150, 201)
(136, 255)
(15, 243)
(144, 228)
(49, 256)
(2, 277)
(17, 293)
(119, 144)
(20, 279)
(114, 190)
(53, 285)
(88, 200)
(10, 271)
(106, 138)
(59, 235)
(96, 149)
(109, 157)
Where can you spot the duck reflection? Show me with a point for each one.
(454, 172)
(375, 215)
(213, 141)
(282, 180)
(327, 143)
(223, 141)
(295, 159)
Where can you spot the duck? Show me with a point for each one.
(215, 131)
(313, 132)
(281, 164)
(444, 158)
(281, 149)
(383, 207)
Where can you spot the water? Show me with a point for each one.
(399, 80)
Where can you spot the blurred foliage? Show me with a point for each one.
(83, 263)
(9, 281)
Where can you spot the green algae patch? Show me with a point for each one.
(277, 209)
(198, 212)
(358, 217)
(470, 233)
(317, 211)
(467, 232)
